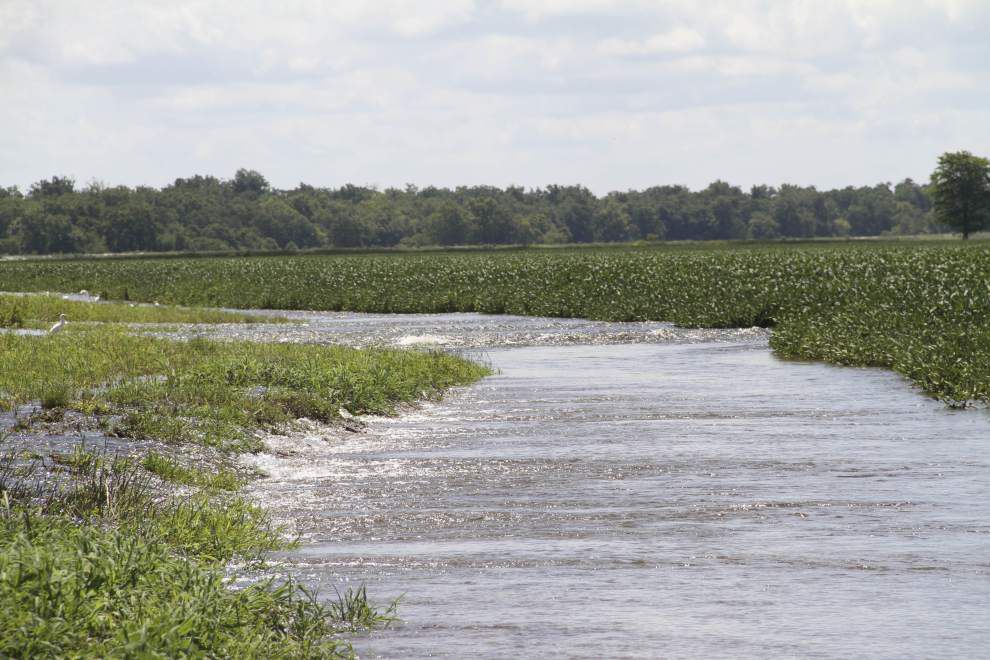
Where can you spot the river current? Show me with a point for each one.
(636, 490)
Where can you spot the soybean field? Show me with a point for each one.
(920, 309)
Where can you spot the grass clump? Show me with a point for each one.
(172, 471)
(213, 530)
(118, 492)
(11, 316)
(353, 609)
(55, 395)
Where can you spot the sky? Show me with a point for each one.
(611, 95)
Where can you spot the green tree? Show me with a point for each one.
(910, 192)
(493, 223)
(909, 220)
(727, 204)
(42, 232)
(276, 219)
(574, 208)
(250, 181)
(961, 185)
(131, 226)
(612, 224)
(447, 225)
(793, 212)
(349, 227)
(57, 185)
(763, 226)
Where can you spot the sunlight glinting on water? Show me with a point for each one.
(632, 496)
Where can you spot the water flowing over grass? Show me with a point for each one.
(101, 557)
(41, 310)
(921, 309)
(214, 393)
(171, 470)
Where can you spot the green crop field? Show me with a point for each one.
(921, 309)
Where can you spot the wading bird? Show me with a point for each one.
(58, 326)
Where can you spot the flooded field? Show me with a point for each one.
(455, 331)
(635, 490)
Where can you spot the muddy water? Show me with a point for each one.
(675, 496)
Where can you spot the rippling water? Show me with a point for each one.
(648, 492)
(454, 331)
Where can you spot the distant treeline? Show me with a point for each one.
(203, 213)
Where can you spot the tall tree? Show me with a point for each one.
(250, 181)
(961, 185)
(57, 185)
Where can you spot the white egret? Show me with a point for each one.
(58, 326)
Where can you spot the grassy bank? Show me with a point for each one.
(212, 393)
(922, 309)
(40, 310)
(125, 555)
(105, 565)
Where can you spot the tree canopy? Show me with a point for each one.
(204, 213)
(961, 191)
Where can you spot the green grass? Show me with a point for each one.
(42, 310)
(98, 558)
(921, 308)
(104, 563)
(353, 609)
(169, 469)
(150, 585)
(114, 491)
(214, 393)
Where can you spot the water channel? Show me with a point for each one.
(636, 490)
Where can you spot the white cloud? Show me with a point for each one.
(536, 10)
(611, 94)
(678, 40)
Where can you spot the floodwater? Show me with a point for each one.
(656, 493)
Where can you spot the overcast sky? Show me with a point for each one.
(613, 95)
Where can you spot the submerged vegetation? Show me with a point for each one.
(170, 469)
(922, 309)
(39, 310)
(126, 555)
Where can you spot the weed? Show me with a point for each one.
(55, 395)
(353, 609)
(170, 470)
(78, 590)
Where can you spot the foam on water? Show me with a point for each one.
(458, 331)
(422, 340)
